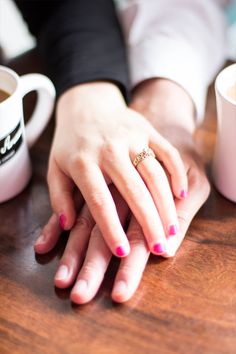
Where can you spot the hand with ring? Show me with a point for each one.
(87, 256)
(97, 142)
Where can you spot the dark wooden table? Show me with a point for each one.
(184, 305)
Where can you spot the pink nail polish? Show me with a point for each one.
(173, 229)
(159, 248)
(120, 251)
(62, 221)
(183, 194)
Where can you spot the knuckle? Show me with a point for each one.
(138, 243)
(95, 232)
(109, 152)
(97, 200)
(195, 179)
(91, 267)
(135, 235)
(78, 161)
(199, 181)
(152, 174)
(137, 240)
(109, 147)
(83, 223)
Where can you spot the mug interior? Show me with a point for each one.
(8, 80)
(226, 79)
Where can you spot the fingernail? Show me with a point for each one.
(159, 248)
(173, 229)
(62, 273)
(62, 221)
(120, 251)
(40, 240)
(183, 194)
(81, 286)
(120, 287)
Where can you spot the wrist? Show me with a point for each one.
(165, 104)
(104, 95)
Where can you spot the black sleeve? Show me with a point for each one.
(79, 41)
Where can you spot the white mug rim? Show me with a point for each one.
(219, 89)
(15, 76)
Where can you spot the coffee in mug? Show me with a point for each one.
(224, 161)
(3, 95)
(15, 136)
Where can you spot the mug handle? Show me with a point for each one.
(44, 105)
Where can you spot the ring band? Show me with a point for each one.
(146, 152)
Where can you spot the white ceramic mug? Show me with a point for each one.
(224, 161)
(15, 136)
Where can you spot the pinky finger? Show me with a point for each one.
(173, 163)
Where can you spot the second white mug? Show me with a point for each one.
(224, 161)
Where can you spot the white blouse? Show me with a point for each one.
(180, 40)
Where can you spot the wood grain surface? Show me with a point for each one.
(184, 305)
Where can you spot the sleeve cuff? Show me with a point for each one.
(165, 57)
(65, 82)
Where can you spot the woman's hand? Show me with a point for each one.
(86, 257)
(96, 140)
